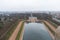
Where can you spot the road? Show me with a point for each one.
(14, 34)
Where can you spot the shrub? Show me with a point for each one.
(1, 24)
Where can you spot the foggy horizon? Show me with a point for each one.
(29, 5)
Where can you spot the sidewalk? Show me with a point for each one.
(50, 33)
(14, 34)
(51, 26)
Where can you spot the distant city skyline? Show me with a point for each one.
(29, 5)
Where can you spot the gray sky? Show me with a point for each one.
(29, 5)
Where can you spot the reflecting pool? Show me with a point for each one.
(35, 31)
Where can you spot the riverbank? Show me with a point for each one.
(50, 29)
(14, 34)
(20, 32)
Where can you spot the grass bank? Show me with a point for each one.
(18, 35)
(10, 31)
(49, 28)
(53, 23)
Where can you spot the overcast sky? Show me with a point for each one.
(29, 5)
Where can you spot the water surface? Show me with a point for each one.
(35, 31)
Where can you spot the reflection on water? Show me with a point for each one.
(35, 31)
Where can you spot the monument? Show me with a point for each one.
(32, 19)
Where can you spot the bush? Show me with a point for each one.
(1, 24)
(57, 23)
(52, 23)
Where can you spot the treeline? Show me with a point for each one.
(6, 25)
(57, 23)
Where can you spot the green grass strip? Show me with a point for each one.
(11, 31)
(18, 35)
(53, 23)
(49, 28)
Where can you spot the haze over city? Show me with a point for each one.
(29, 19)
(29, 5)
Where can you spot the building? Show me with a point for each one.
(32, 19)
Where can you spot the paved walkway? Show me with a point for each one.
(22, 33)
(50, 33)
(14, 34)
(51, 26)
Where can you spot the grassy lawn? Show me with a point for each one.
(53, 23)
(18, 36)
(1, 24)
(49, 28)
(10, 31)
